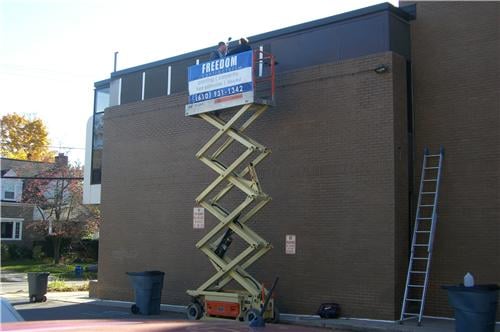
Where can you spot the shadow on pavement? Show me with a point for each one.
(60, 310)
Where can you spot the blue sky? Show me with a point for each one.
(52, 51)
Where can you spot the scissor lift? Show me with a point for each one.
(212, 299)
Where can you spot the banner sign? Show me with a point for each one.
(218, 81)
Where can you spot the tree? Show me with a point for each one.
(24, 138)
(58, 201)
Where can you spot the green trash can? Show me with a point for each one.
(37, 286)
(475, 307)
(147, 289)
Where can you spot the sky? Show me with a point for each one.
(52, 51)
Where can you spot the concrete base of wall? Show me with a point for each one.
(93, 284)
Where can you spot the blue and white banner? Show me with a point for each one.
(220, 78)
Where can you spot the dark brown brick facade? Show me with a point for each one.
(337, 175)
(456, 76)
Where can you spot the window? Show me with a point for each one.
(100, 104)
(101, 99)
(97, 139)
(12, 229)
(9, 190)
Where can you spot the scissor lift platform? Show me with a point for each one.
(211, 299)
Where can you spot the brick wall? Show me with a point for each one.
(456, 67)
(337, 175)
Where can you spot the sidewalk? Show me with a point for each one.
(12, 283)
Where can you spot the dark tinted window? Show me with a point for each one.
(131, 88)
(156, 82)
(97, 140)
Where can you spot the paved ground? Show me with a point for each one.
(77, 305)
(59, 308)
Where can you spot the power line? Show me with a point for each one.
(41, 178)
(64, 147)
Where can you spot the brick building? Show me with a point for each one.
(347, 144)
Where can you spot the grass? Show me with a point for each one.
(61, 271)
(61, 286)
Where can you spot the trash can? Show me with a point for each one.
(475, 307)
(37, 286)
(78, 271)
(147, 288)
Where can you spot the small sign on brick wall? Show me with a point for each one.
(290, 244)
(198, 218)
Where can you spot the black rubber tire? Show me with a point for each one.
(32, 298)
(251, 314)
(134, 309)
(44, 298)
(194, 311)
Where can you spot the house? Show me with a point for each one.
(17, 215)
(358, 98)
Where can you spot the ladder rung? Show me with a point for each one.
(418, 286)
(411, 314)
(414, 300)
(422, 231)
(420, 272)
(430, 180)
(421, 245)
(426, 205)
(420, 257)
(424, 218)
(432, 155)
(434, 167)
(428, 192)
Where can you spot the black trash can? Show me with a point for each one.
(37, 286)
(475, 307)
(147, 288)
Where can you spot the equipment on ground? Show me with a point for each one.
(329, 310)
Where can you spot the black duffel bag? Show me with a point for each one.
(329, 310)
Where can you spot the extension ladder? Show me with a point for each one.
(417, 278)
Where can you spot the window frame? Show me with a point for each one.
(4, 191)
(97, 88)
(16, 222)
(11, 199)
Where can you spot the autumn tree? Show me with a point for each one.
(57, 196)
(24, 138)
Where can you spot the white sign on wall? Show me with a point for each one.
(290, 244)
(198, 218)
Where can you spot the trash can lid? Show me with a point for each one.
(146, 273)
(39, 273)
(475, 288)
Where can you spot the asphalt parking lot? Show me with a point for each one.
(78, 306)
(57, 309)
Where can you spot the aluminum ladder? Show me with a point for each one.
(417, 278)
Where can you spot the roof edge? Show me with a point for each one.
(385, 6)
(27, 161)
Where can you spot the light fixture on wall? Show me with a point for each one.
(381, 69)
